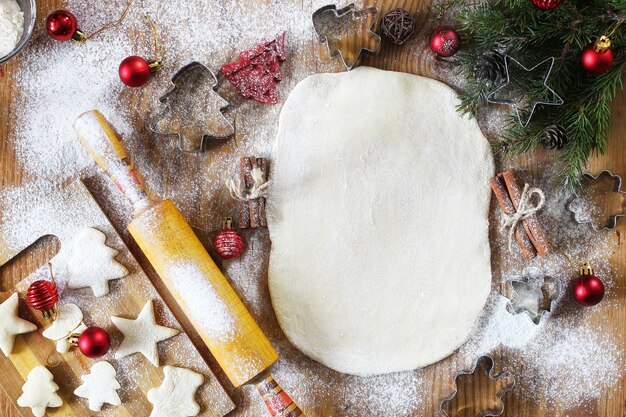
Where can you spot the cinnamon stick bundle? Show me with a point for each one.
(531, 225)
(523, 241)
(252, 212)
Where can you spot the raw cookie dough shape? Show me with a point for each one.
(92, 263)
(175, 396)
(39, 391)
(69, 321)
(142, 335)
(11, 324)
(378, 215)
(100, 386)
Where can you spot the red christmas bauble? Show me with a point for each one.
(42, 295)
(596, 60)
(588, 290)
(546, 4)
(445, 41)
(135, 71)
(94, 342)
(228, 243)
(61, 25)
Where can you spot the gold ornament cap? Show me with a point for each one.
(585, 268)
(602, 44)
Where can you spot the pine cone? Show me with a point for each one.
(554, 137)
(490, 68)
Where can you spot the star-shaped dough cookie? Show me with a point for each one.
(11, 324)
(142, 335)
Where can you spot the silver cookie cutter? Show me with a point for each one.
(486, 364)
(600, 187)
(534, 293)
(193, 109)
(330, 16)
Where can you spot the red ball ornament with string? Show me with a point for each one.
(94, 342)
(546, 4)
(445, 41)
(62, 26)
(597, 57)
(135, 71)
(42, 295)
(588, 290)
(228, 243)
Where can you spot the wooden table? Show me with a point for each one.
(414, 59)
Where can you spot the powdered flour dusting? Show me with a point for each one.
(11, 26)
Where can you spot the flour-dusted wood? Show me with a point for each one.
(378, 215)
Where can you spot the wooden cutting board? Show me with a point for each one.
(65, 213)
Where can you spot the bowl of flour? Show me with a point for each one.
(17, 20)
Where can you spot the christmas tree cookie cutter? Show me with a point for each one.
(481, 375)
(347, 32)
(193, 109)
(534, 294)
(599, 201)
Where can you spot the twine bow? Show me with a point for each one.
(239, 192)
(524, 210)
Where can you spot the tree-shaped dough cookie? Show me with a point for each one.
(175, 396)
(92, 263)
(39, 392)
(100, 386)
(193, 109)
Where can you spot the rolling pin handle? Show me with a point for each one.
(277, 401)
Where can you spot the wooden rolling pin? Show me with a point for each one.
(201, 290)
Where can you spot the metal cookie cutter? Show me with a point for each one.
(600, 201)
(347, 32)
(534, 294)
(193, 109)
(480, 377)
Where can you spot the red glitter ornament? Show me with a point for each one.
(546, 4)
(588, 289)
(445, 41)
(257, 72)
(42, 295)
(228, 243)
(62, 26)
(135, 71)
(94, 342)
(597, 57)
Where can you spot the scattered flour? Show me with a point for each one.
(11, 26)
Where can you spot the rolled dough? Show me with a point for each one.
(378, 215)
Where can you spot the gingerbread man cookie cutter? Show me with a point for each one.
(332, 26)
(604, 192)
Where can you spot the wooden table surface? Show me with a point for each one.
(414, 59)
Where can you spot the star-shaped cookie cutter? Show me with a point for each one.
(604, 188)
(513, 102)
(504, 381)
(324, 18)
(534, 294)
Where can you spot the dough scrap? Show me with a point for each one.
(11, 324)
(175, 396)
(100, 386)
(378, 216)
(92, 263)
(39, 391)
(142, 335)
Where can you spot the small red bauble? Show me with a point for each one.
(94, 342)
(597, 57)
(228, 243)
(42, 295)
(135, 71)
(588, 289)
(546, 4)
(445, 41)
(61, 25)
